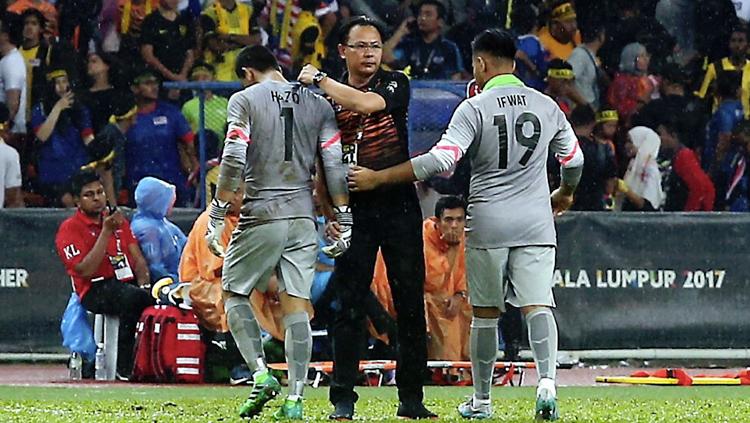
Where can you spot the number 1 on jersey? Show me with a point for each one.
(287, 119)
(529, 141)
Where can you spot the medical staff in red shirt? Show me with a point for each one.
(104, 262)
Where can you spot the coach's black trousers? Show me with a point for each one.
(391, 221)
(125, 300)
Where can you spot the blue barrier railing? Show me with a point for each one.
(431, 106)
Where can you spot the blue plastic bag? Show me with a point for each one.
(76, 331)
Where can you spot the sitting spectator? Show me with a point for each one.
(42, 55)
(101, 95)
(167, 43)
(307, 38)
(606, 127)
(641, 187)
(448, 312)
(722, 123)
(108, 147)
(599, 168)
(631, 87)
(675, 100)
(215, 106)
(561, 86)
(12, 76)
(160, 143)
(103, 259)
(10, 166)
(586, 66)
(560, 36)
(160, 240)
(427, 53)
(45, 7)
(532, 58)
(688, 188)
(734, 63)
(63, 126)
(732, 181)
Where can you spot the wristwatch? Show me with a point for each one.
(319, 77)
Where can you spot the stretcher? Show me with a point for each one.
(677, 377)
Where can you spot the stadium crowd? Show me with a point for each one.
(677, 68)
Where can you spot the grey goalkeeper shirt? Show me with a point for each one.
(507, 131)
(275, 132)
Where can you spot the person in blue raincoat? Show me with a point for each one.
(160, 240)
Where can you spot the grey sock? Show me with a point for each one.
(298, 347)
(543, 341)
(483, 351)
(245, 330)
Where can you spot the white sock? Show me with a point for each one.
(548, 384)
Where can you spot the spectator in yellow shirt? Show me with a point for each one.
(737, 61)
(560, 36)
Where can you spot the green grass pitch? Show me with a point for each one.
(218, 404)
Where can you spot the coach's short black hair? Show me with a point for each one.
(80, 180)
(259, 58)
(582, 115)
(358, 21)
(438, 5)
(497, 42)
(449, 202)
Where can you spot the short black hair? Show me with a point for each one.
(358, 21)
(582, 115)
(80, 180)
(438, 5)
(449, 202)
(36, 13)
(497, 42)
(524, 18)
(10, 24)
(727, 84)
(592, 30)
(741, 28)
(259, 58)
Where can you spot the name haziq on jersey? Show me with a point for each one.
(640, 278)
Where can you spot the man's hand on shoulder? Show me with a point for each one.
(307, 74)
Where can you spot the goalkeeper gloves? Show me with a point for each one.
(216, 213)
(346, 221)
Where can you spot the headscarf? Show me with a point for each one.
(629, 56)
(643, 175)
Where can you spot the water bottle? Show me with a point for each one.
(100, 363)
(76, 366)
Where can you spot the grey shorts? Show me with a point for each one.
(521, 276)
(288, 247)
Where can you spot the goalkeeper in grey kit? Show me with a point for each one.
(506, 131)
(276, 131)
